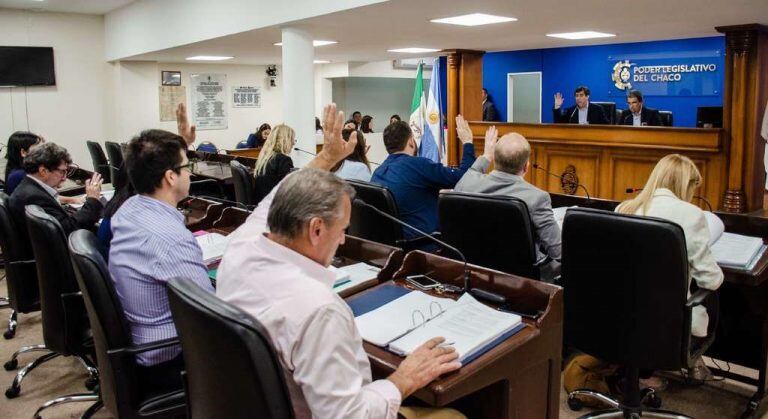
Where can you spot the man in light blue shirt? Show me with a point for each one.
(151, 245)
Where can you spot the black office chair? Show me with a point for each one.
(20, 277)
(367, 224)
(609, 108)
(246, 364)
(666, 118)
(492, 231)
(120, 390)
(626, 282)
(118, 173)
(100, 163)
(617, 116)
(243, 182)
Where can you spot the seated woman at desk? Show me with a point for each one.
(274, 162)
(356, 165)
(19, 144)
(260, 137)
(667, 194)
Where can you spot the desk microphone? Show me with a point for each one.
(575, 108)
(223, 201)
(315, 154)
(562, 177)
(625, 118)
(699, 197)
(479, 293)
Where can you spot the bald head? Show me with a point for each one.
(512, 153)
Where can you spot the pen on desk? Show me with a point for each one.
(440, 345)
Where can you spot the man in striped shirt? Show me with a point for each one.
(151, 245)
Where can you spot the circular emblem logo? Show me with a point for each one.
(432, 118)
(621, 75)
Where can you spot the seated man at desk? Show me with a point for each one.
(581, 113)
(275, 268)
(510, 156)
(415, 182)
(46, 167)
(638, 114)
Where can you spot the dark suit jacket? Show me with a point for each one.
(276, 170)
(595, 115)
(489, 111)
(30, 192)
(648, 117)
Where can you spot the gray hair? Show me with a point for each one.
(304, 195)
(48, 155)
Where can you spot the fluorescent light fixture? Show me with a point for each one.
(321, 61)
(208, 58)
(474, 19)
(581, 35)
(414, 50)
(315, 43)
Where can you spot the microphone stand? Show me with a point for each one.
(538, 166)
(699, 197)
(479, 293)
(223, 201)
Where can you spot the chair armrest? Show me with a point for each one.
(21, 262)
(698, 297)
(543, 261)
(137, 349)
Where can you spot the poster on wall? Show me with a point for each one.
(209, 99)
(170, 97)
(246, 97)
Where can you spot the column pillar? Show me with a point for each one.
(452, 148)
(465, 81)
(299, 90)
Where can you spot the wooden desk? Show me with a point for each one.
(245, 152)
(75, 184)
(199, 213)
(519, 378)
(219, 171)
(355, 250)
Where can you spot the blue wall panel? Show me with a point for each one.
(565, 68)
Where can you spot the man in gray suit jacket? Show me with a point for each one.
(511, 155)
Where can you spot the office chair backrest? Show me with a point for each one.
(207, 147)
(242, 144)
(617, 116)
(243, 182)
(99, 159)
(108, 324)
(232, 369)
(492, 231)
(20, 270)
(626, 283)
(366, 223)
(666, 118)
(609, 108)
(117, 169)
(64, 318)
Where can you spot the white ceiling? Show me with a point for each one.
(365, 33)
(95, 7)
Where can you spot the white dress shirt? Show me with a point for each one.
(583, 114)
(637, 119)
(702, 265)
(312, 328)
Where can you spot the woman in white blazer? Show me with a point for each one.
(667, 194)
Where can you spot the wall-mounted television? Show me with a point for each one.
(27, 66)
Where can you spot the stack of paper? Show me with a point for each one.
(213, 246)
(356, 274)
(342, 277)
(735, 250)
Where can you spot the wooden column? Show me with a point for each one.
(746, 90)
(465, 82)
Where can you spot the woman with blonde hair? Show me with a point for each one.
(667, 194)
(274, 162)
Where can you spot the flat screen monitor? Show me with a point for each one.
(709, 117)
(27, 66)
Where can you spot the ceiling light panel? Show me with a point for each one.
(474, 19)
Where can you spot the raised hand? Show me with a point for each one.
(93, 186)
(491, 137)
(558, 100)
(187, 131)
(462, 130)
(428, 362)
(335, 149)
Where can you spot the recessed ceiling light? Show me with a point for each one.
(321, 61)
(581, 35)
(474, 19)
(413, 50)
(315, 43)
(209, 58)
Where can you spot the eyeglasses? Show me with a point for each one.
(69, 171)
(191, 166)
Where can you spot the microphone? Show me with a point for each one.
(586, 192)
(575, 108)
(479, 293)
(223, 201)
(625, 118)
(699, 197)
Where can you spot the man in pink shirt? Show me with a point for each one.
(275, 267)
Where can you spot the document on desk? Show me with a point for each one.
(104, 198)
(735, 250)
(469, 325)
(560, 215)
(213, 246)
(398, 317)
(355, 275)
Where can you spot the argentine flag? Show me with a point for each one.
(432, 145)
(418, 107)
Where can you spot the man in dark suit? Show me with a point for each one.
(46, 166)
(638, 115)
(582, 112)
(489, 109)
